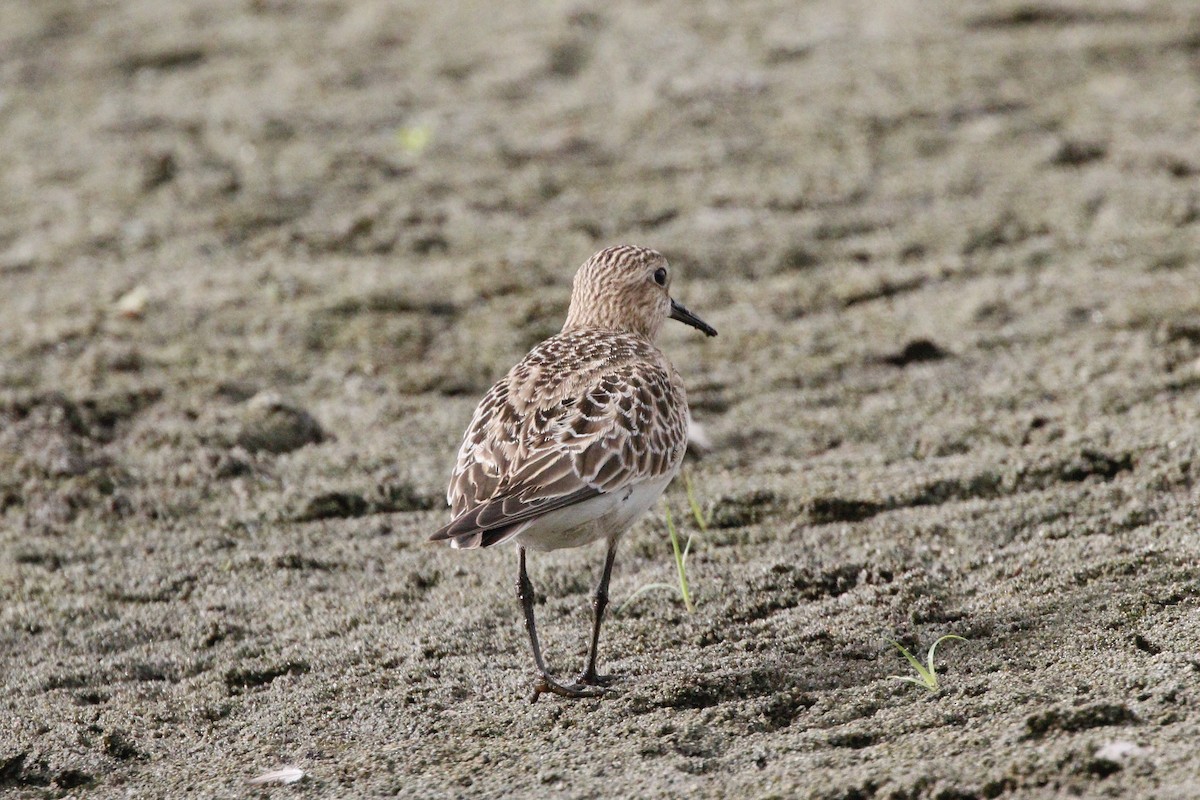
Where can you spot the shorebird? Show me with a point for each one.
(580, 438)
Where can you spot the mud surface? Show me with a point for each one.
(259, 258)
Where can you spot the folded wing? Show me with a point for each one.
(528, 453)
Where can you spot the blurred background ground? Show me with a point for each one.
(259, 258)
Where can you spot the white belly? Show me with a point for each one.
(603, 517)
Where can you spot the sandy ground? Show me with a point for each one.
(259, 258)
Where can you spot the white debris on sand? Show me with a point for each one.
(281, 775)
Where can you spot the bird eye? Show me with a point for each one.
(660, 276)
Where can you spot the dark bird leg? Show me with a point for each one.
(544, 682)
(599, 602)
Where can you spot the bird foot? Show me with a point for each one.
(592, 679)
(547, 685)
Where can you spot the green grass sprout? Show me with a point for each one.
(414, 139)
(927, 672)
(680, 561)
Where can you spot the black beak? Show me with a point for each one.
(688, 318)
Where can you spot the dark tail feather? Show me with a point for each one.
(478, 538)
(469, 541)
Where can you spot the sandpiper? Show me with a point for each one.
(581, 437)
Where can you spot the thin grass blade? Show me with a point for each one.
(910, 679)
(641, 590)
(926, 676)
(934, 647)
(694, 504)
(680, 566)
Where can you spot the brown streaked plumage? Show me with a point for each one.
(581, 436)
